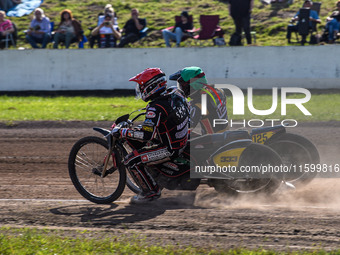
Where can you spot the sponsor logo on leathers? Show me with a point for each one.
(156, 155)
(150, 115)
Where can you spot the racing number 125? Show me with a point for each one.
(260, 138)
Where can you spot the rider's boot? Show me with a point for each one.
(149, 187)
(145, 197)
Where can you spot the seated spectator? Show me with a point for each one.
(179, 30)
(132, 28)
(6, 26)
(108, 33)
(107, 10)
(314, 17)
(6, 5)
(69, 30)
(333, 24)
(40, 30)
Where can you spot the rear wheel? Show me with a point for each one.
(293, 154)
(85, 165)
(253, 158)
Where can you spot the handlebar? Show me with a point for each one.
(141, 114)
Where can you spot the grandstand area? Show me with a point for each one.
(268, 21)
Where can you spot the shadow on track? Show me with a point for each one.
(114, 214)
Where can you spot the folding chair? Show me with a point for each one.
(316, 7)
(141, 36)
(209, 28)
(143, 33)
(303, 26)
(10, 38)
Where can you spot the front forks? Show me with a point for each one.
(106, 162)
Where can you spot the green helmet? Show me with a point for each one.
(192, 78)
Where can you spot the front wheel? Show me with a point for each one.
(85, 164)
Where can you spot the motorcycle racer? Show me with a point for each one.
(165, 125)
(193, 83)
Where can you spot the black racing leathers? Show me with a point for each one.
(166, 127)
(216, 109)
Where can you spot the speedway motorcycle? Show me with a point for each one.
(97, 170)
(294, 150)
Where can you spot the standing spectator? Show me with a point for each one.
(240, 11)
(313, 17)
(132, 28)
(6, 26)
(180, 28)
(69, 29)
(108, 33)
(40, 30)
(333, 24)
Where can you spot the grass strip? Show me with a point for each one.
(33, 241)
(323, 107)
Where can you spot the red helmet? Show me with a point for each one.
(150, 83)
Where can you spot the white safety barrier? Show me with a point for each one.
(314, 67)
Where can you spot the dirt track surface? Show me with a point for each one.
(35, 191)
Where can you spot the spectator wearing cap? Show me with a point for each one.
(132, 28)
(313, 17)
(39, 30)
(179, 30)
(108, 32)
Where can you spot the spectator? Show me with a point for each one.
(6, 26)
(179, 30)
(314, 17)
(132, 28)
(40, 30)
(240, 11)
(107, 10)
(108, 32)
(6, 5)
(69, 29)
(333, 24)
